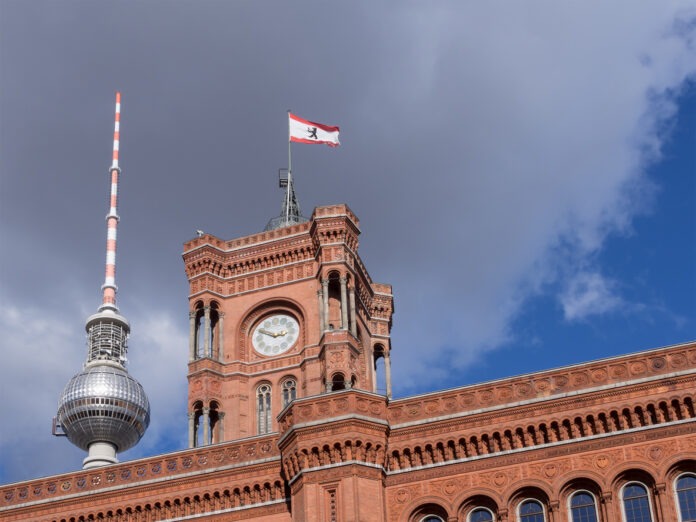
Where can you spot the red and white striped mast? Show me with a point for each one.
(109, 287)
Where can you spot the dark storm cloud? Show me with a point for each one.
(475, 140)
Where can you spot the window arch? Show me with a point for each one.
(289, 391)
(636, 503)
(531, 511)
(583, 507)
(685, 487)
(263, 408)
(338, 382)
(429, 513)
(480, 514)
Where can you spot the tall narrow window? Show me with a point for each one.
(263, 408)
(215, 423)
(196, 427)
(214, 331)
(531, 511)
(636, 503)
(380, 384)
(480, 515)
(686, 497)
(289, 391)
(583, 508)
(198, 332)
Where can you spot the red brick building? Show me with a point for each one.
(286, 421)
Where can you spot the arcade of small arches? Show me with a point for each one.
(205, 332)
(338, 452)
(532, 435)
(339, 235)
(231, 499)
(635, 497)
(206, 264)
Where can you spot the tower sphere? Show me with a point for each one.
(104, 403)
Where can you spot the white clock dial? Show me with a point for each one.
(275, 334)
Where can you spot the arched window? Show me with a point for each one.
(216, 417)
(531, 511)
(380, 384)
(636, 504)
(334, 301)
(480, 515)
(431, 518)
(263, 408)
(213, 341)
(196, 428)
(289, 391)
(686, 497)
(198, 331)
(338, 382)
(583, 507)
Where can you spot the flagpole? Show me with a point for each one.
(289, 187)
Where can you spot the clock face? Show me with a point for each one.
(275, 334)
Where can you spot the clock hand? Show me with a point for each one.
(264, 331)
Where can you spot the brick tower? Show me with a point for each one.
(287, 313)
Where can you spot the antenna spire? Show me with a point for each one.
(290, 213)
(109, 287)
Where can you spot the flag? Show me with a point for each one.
(305, 131)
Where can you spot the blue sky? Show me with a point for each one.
(524, 178)
(652, 264)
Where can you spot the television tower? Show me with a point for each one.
(102, 409)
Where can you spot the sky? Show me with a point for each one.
(523, 172)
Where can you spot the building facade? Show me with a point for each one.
(291, 416)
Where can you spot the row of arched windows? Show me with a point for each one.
(205, 336)
(205, 424)
(264, 398)
(636, 506)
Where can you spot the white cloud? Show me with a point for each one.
(158, 359)
(40, 354)
(587, 294)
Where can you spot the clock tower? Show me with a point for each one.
(286, 313)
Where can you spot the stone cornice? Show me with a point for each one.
(550, 384)
(552, 405)
(262, 238)
(246, 453)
